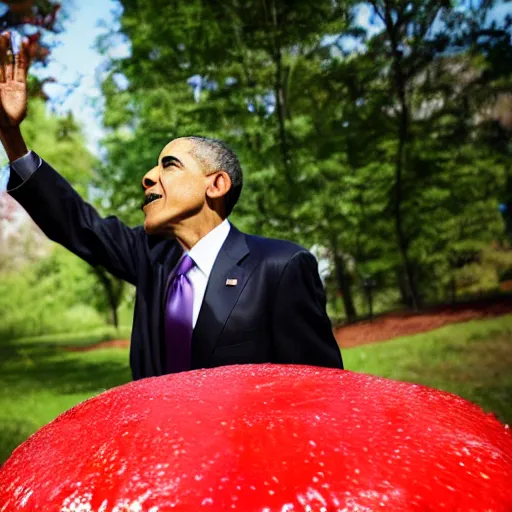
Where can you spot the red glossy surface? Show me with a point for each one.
(264, 438)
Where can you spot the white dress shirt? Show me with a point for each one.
(204, 254)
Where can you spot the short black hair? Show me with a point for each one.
(216, 155)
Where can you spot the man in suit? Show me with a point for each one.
(207, 294)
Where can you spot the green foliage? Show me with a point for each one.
(378, 148)
(44, 288)
(60, 141)
(53, 295)
(484, 273)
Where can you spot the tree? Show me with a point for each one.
(418, 40)
(61, 143)
(32, 19)
(371, 147)
(243, 94)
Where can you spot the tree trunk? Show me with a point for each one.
(369, 298)
(344, 283)
(402, 287)
(280, 80)
(400, 82)
(401, 237)
(115, 319)
(113, 288)
(453, 287)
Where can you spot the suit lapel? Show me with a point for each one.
(220, 299)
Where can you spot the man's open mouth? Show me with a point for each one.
(150, 198)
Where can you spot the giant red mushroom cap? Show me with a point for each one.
(264, 438)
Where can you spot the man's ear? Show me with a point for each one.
(220, 184)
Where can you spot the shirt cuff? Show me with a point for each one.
(22, 169)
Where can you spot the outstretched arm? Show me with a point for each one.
(48, 198)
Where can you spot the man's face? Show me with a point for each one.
(177, 186)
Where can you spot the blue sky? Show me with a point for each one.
(75, 61)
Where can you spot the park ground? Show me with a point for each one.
(465, 350)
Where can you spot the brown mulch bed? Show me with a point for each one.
(389, 325)
(404, 323)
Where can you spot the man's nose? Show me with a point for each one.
(150, 178)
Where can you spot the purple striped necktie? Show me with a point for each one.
(178, 318)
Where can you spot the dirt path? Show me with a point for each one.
(388, 326)
(101, 344)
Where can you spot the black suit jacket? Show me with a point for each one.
(275, 313)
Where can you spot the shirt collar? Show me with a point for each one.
(204, 253)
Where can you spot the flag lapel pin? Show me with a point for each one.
(231, 282)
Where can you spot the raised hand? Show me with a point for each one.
(13, 82)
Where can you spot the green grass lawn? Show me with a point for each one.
(471, 359)
(39, 380)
